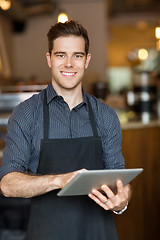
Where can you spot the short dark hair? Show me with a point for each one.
(66, 29)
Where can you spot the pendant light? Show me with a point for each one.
(5, 4)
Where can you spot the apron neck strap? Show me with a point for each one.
(46, 118)
(92, 119)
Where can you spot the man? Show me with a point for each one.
(55, 134)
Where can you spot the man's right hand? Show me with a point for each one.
(17, 184)
(66, 178)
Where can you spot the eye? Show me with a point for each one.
(78, 56)
(60, 55)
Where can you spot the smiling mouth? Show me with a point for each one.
(68, 73)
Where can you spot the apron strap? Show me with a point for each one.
(46, 118)
(92, 119)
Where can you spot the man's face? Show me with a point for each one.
(68, 62)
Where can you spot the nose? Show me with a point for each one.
(68, 62)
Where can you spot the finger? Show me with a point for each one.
(107, 204)
(122, 191)
(99, 195)
(122, 194)
(108, 191)
(120, 187)
(98, 201)
(127, 192)
(127, 189)
(115, 200)
(104, 201)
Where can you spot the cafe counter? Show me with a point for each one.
(141, 149)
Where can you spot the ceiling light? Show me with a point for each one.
(5, 4)
(62, 17)
(157, 32)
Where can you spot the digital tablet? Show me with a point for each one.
(84, 182)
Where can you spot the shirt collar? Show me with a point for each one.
(85, 102)
(51, 94)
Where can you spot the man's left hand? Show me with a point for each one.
(109, 200)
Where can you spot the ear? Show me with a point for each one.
(48, 59)
(88, 58)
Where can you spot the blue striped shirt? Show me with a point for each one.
(25, 130)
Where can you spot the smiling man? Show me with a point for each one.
(55, 134)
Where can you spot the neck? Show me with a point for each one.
(72, 97)
(73, 101)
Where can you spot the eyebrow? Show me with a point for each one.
(82, 53)
(61, 52)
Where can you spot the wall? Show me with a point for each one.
(124, 38)
(5, 47)
(30, 47)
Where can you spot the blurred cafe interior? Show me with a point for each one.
(124, 73)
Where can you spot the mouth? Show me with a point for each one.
(68, 73)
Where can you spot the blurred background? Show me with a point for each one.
(124, 73)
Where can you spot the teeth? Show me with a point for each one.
(67, 73)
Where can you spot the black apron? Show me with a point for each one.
(73, 217)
